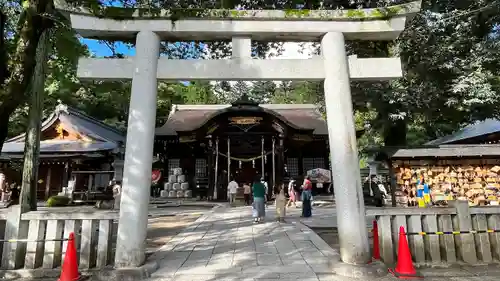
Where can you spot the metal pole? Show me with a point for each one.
(262, 159)
(274, 163)
(216, 165)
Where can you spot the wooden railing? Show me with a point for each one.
(474, 240)
(42, 239)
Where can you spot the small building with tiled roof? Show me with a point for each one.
(69, 133)
(73, 146)
(439, 161)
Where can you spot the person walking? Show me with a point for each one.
(280, 204)
(259, 194)
(264, 182)
(376, 192)
(292, 194)
(306, 198)
(232, 188)
(247, 193)
(382, 189)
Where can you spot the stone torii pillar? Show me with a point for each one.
(139, 152)
(331, 27)
(343, 152)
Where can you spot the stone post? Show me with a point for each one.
(353, 234)
(118, 166)
(465, 242)
(130, 248)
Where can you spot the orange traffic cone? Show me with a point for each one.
(404, 267)
(376, 247)
(69, 270)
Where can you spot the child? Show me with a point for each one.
(281, 204)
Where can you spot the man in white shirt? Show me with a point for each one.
(263, 181)
(232, 189)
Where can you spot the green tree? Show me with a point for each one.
(262, 91)
(19, 44)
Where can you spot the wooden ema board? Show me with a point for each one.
(477, 181)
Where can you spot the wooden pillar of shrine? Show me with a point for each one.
(280, 161)
(48, 182)
(211, 168)
(66, 174)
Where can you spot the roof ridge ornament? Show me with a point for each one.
(61, 107)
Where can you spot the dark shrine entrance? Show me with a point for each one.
(246, 173)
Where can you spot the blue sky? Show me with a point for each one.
(102, 50)
(185, 50)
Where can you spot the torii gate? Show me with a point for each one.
(331, 27)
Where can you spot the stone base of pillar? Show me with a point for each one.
(374, 269)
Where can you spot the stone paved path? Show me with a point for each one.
(226, 245)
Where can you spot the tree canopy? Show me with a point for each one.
(450, 54)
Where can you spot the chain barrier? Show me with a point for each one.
(28, 240)
(36, 240)
(423, 233)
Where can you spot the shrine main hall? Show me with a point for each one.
(213, 144)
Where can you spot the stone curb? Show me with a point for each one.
(336, 266)
(153, 262)
(106, 274)
(322, 246)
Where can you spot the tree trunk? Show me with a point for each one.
(32, 143)
(4, 130)
(395, 133)
(33, 23)
(3, 49)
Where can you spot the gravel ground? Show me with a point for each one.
(162, 229)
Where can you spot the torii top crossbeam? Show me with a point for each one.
(262, 25)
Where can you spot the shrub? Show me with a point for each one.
(58, 201)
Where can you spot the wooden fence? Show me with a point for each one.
(39, 239)
(452, 235)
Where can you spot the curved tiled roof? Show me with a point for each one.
(104, 137)
(191, 117)
(479, 129)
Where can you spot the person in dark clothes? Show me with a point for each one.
(306, 198)
(377, 194)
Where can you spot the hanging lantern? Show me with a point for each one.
(239, 163)
(253, 163)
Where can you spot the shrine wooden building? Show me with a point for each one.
(214, 143)
(73, 147)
